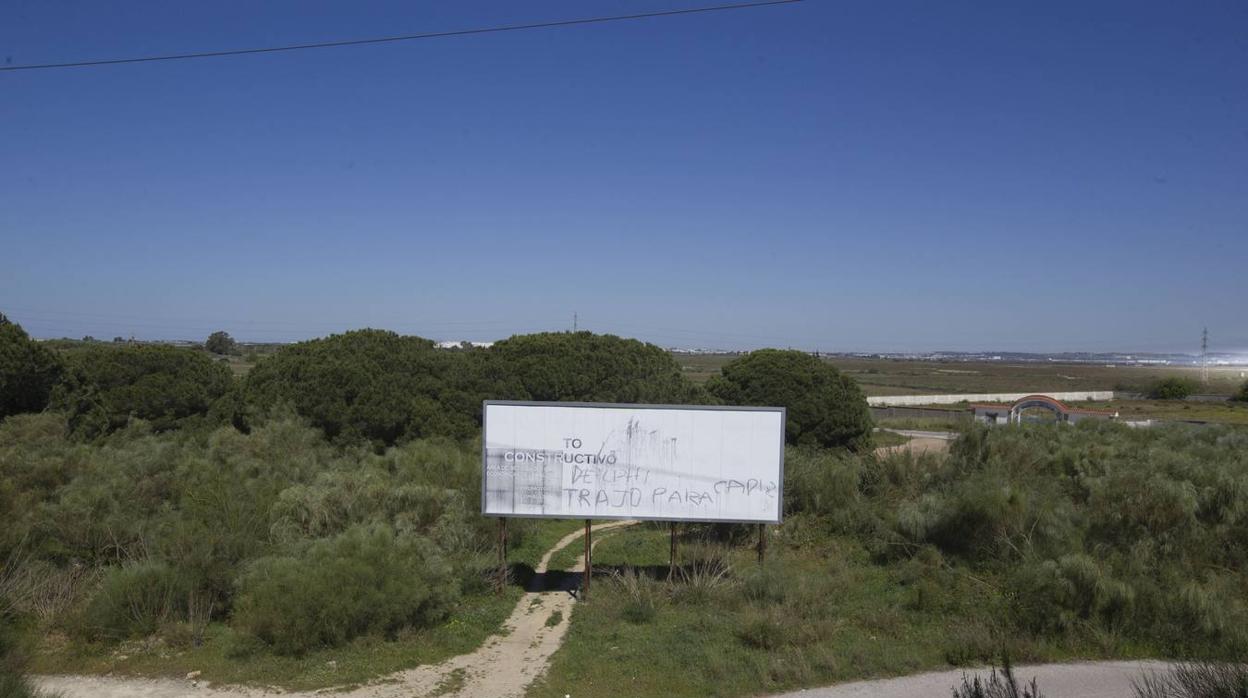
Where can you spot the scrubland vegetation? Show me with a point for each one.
(158, 515)
(1047, 542)
(158, 509)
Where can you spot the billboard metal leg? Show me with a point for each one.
(762, 542)
(589, 563)
(502, 555)
(671, 565)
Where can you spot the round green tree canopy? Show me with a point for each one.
(588, 367)
(825, 407)
(107, 384)
(28, 371)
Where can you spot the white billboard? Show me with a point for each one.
(605, 461)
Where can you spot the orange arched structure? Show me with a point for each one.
(1012, 414)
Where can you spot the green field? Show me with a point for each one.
(1175, 410)
(897, 377)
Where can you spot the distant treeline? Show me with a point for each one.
(381, 388)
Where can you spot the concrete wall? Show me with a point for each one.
(890, 412)
(903, 400)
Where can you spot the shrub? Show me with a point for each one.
(1056, 595)
(1195, 680)
(13, 681)
(364, 581)
(1173, 388)
(1242, 395)
(28, 371)
(106, 386)
(40, 590)
(134, 601)
(824, 406)
(820, 482)
(13, 658)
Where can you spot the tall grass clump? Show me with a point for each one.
(707, 576)
(13, 656)
(1195, 680)
(640, 596)
(1002, 684)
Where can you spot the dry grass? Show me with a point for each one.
(1196, 680)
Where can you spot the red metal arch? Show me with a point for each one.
(1040, 401)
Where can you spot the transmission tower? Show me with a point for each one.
(1204, 356)
(576, 325)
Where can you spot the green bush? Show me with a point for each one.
(1055, 596)
(1173, 388)
(106, 386)
(824, 407)
(364, 581)
(134, 601)
(13, 681)
(1242, 395)
(582, 366)
(28, 371)
(819, 482)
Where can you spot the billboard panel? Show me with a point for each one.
(606, 461)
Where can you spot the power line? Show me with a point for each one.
(391, 39)
(230, 322)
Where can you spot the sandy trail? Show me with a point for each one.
(920, 442)
(501, 668)
(916, 445)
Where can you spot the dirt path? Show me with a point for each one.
(1073, 680)
(501, 668)
(916, 445)
(920, 442)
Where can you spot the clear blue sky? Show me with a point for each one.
(833, 175)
